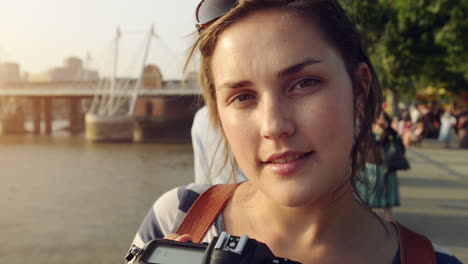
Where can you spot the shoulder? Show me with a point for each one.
(166, 214)
(179, 199)
(412, 245)
(443, 256)
(201, 119)
(204, 135)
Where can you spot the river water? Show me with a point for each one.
(66, 200)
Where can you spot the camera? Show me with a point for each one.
(225, 249)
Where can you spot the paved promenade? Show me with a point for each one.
(435, 196)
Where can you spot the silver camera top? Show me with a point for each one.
(231, 243)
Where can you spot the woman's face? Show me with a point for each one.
(285, 102)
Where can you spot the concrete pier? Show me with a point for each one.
(48, 115)
(74, 115)
(43, 112)
(36, 115)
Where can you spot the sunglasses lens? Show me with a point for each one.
(209, 10)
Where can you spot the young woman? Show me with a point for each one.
(383, 190)
(292, 90)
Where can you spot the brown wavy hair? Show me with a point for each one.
(340, 34)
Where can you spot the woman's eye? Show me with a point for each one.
(243, 97)
(307, 83)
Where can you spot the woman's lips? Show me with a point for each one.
(288, 164)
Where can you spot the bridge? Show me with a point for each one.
(90, 89)
(42, 95)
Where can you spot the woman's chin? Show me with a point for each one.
(295, 196)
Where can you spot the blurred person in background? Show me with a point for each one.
(380, 188)
(414, 113)
(412, 134)
(463, 129)
(447, 122)
(210, 164)
(403, 124)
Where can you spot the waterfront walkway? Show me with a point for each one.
(65, 200)
(435, 196)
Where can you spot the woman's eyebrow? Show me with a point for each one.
(288, 71)
(236, 84)
(297, 67)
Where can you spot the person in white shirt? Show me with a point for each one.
(447, 121)
(208, 153)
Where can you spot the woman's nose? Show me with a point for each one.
(276, 121)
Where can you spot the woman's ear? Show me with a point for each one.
(363, 81)
(364, 77)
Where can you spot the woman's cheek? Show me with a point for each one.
(243, 139)
(334, 123)
(237, 130)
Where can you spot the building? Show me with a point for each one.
(10, 72)
(72, 70)
(152, 77)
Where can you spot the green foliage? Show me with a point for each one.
(415, 43)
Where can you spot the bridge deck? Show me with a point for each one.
(89, 92)
(89, 89)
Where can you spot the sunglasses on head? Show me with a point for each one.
(208, 11)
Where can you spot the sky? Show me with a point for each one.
(40, 34)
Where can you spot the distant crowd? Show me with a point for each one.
(421, 121)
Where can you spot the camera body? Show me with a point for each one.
(225, 249)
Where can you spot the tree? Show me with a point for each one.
(415, 43)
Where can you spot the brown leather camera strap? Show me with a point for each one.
(414, 248)
(205, 210)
